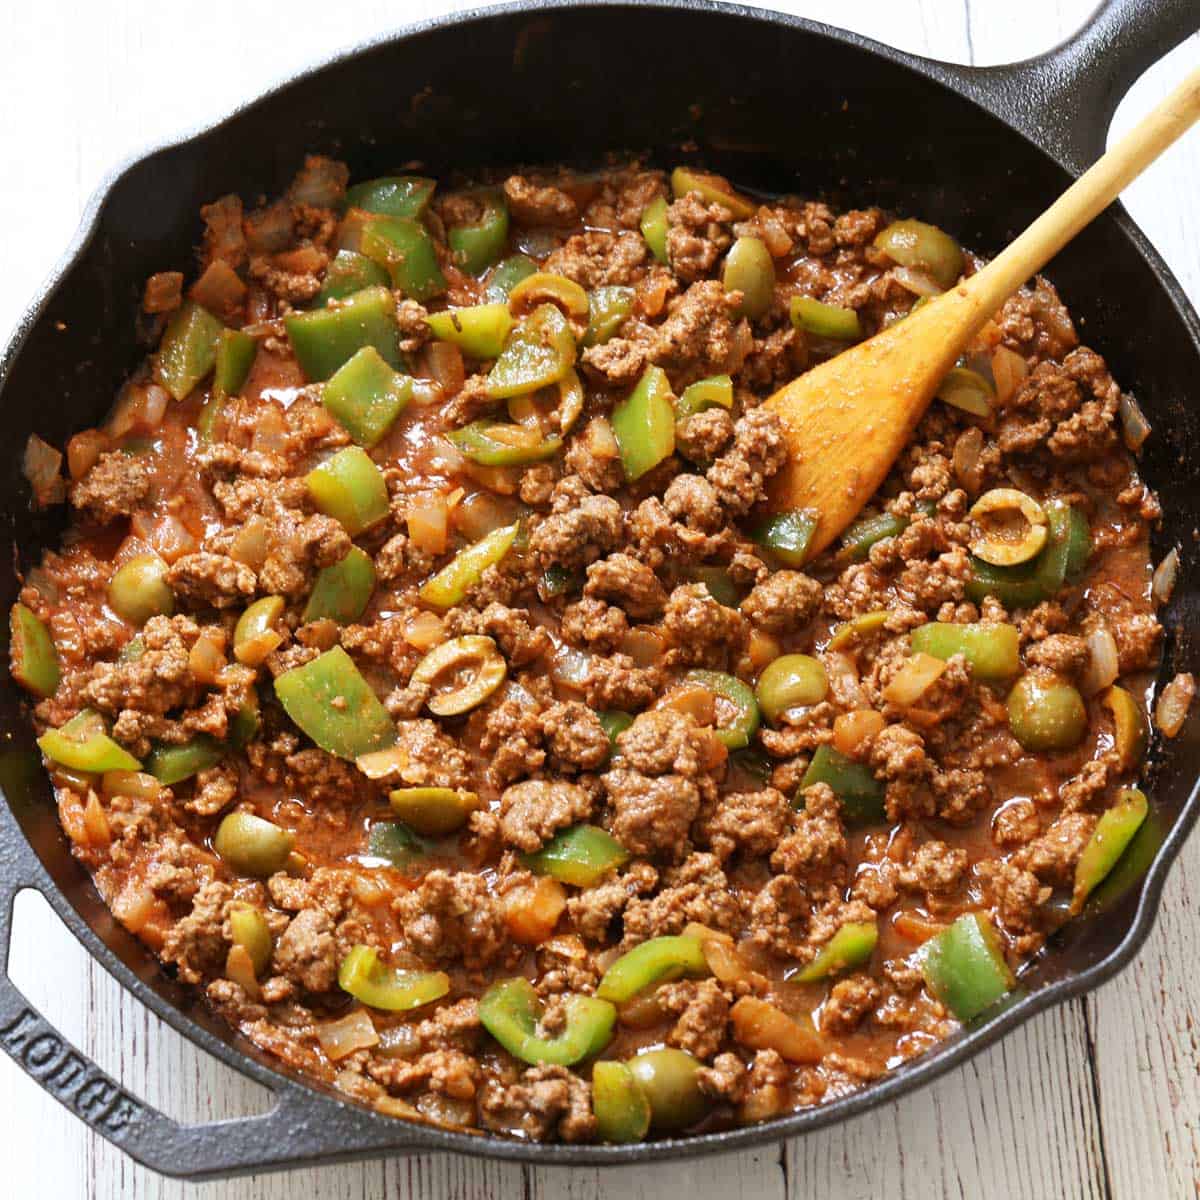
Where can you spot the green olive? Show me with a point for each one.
(433, 811)
(788, 681)
(1046, 713)
(749, 269)
(668, 1081)
(250, 930)
(252, 846)
(923, 247)
(139, 590)
(255, 636)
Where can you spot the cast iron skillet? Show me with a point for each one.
(770, 100)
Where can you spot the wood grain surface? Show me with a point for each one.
(1099, 1098)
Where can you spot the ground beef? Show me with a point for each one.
(750, 822)
(452, 915)
(616, 682)
(784, 602)
(697, 235)
(575, 737)
(702, 335)
(617, 363)
(758, 451)
(532, 203)
(702, 437)
(533, 811)
(578, 536)
(849, 1001)
(196, 944)
(599, 259)
(817, 840)
(592, 911)
(702, 631)
(212, 580)
(651, 815)
(622, 580)
(697, 890)
(547, 1100)
(113, 488)
(594, 624)
(702, 1009)
(520, 641)
(306, 952)
(665, 742)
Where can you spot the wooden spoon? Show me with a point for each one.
(848, 419)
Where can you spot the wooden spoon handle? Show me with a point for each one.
(1086, 198)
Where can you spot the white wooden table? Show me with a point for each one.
(1100, 1098)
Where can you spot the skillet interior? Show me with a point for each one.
(775, 104)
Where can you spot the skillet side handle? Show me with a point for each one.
(303, 1126)
(1065, 99)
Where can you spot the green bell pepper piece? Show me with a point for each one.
(753, 763)
(350, 488)
(860, 793)
(719, 583)
(32, 656)
(787, 535)
(558, 580)
(173, 764)
(394, 842)
(234, 358)
(244, 727)
(341, 592)
(850, 947)
(188, 350)
(992, 651)
(825, 320)
(510, 1011)
(750, 269)
(866, 531)
(506, 275)
(83, 744)
(503, 444)
(964, 966)
(479, 331)
(653, 962)
(379, 986)
(1062, 559)
(366, 396)
(1112, 835)
(349, 273)
(619, 1105)
(608, 307)
(714, 392)
(405, 250)
(480, 243)
(392, 195)
(539, 351)
(654, 227)
(743, 725)
(581, 855)
(325, 338)
(448, 587)
(713, 189)
(644, 424)
(334, 705)
(614, 723)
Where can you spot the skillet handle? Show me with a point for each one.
(304, 1126)
(1065, 99)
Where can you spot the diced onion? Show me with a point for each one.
(167, 536)
(354, 1031)
(133, 906)
(445, 363)
(1134, 425)
(600, 440)
(914, 679)
(380, 764)
(95, 822)
(775, 237)
(250, 544)
(967, 450)
(1172, 708)
(852, 729)
(570, 666)
(428, 521)
(41, 467)
(1165, 575)
(424, 631)
(130, 783)
(270, 430)
(83, 450)
(481, 512)
(644, 646)
(205, 659)
(916, 282)
(1008, 370)
(1103, 664)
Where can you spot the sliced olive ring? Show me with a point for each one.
(1011, 527)
(476, 667)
